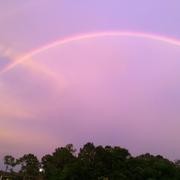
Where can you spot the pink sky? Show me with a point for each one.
(119, 90)
(109, 90)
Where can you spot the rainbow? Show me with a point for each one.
(86, 36)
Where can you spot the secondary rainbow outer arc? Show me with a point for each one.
(79, 37)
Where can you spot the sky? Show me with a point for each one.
(103, 71)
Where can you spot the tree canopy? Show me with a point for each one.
(92, 163)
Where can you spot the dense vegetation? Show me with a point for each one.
(91, 163)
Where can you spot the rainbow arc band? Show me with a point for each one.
(86, 36)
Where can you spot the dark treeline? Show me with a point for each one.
(91, 163)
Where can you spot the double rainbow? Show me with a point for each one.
(80, 37)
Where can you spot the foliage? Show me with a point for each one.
(29, 165)
(93, 163)
(10, 162)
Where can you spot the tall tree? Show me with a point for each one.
(29, 165)
(10, 162)
(54, 164)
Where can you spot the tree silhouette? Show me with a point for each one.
(92, 163)
(10, 162)
(29, 165)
